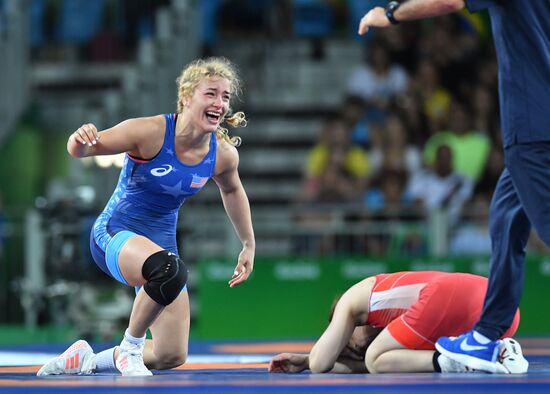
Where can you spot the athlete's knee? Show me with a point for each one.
(166, 275)
(172, 360)
(371, 361)
(370, 358)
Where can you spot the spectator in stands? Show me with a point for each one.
(392, 162)
(394, 152)
(354, 114)
(378, 81)
(336, 183)
(487, 182)
(470, 148)
(386, 198)
(441, 187)
(485, 112)
(471, 236)
(434, 99)
(453, 51)
(415, 120)
(336, 169)
(336, 172)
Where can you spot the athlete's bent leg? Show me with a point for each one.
(385, 355)
(170, 331)
(170, 335)
(163, 276)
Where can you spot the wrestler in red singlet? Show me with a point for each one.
(420, 307)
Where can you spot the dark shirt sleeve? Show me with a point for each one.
(478, 5)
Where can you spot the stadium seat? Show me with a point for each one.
(37, 11)
(312, 18)
(79, 20)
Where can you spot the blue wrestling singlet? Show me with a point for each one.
(147, 199)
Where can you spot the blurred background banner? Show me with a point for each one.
(361, 156)
(291, 297)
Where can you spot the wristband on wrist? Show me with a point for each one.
(390, 9)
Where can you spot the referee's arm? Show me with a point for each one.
(408, 10)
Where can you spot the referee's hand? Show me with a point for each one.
(374, 18)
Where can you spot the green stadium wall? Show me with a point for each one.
(290, 298)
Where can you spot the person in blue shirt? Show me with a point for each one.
(169, 158)
(521, 31)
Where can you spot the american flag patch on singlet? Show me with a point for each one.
(198, 181)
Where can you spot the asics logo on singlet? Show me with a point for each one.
(162, 171)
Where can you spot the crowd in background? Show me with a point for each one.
(417, 130)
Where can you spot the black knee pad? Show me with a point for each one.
(166, 275)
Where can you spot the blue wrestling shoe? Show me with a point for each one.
(466, 350)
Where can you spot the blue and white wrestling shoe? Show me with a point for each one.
(468, 351)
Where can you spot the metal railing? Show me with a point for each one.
(316, 230)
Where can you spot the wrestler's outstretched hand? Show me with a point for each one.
(289, 363)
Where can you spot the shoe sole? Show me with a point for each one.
(137, 374)
(520, 362)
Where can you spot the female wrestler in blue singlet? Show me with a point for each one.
(169, 158)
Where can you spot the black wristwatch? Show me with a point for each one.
(390, 9)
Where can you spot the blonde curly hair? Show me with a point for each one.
(210, 67)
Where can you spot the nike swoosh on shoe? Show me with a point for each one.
(467, 348)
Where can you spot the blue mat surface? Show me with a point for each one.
(232, 376)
